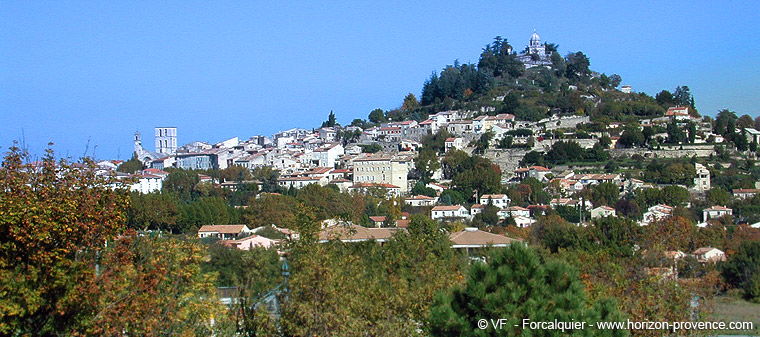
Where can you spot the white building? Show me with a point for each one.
(328, 155)
(656, 213)
(702, 180)
(250, 242)
(536, 54)
(745, 193)
(301, 182)
(498, 200)
(522, 221)
(166, 140)
(602, 211)
(147, 183)
(382, 168)
(709, 254)
(449, 212)
(421, 200)
(715, 212)
(226, 232)
(454, 143)
(517, 211)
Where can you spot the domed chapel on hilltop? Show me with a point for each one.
(535, 54)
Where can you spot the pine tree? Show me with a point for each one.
(517, 285)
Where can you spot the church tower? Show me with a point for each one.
(138, 145)
(166, 140)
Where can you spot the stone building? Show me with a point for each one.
(382, 168)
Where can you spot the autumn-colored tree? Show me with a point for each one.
(271, 209)
(235, 173)
(360, 289)
(151, 286)
(673, 233)
(54, 220)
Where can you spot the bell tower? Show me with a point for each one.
(166, 140)
(138, 143)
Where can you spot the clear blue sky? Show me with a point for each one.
(100, 70)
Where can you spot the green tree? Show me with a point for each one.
(506, 142)
(676, 135)
(632, 136)
(371, 148)
(577, 65)
(427, 163)
(410, 103)
(718, 196)
(330, 122)
(605, 193)
(725, 122)
(377, 116)
(483, 142)
(665, 99)
(279, 210)
(675, 195)
(130, 166)
(742, 269)
(158, 211)
(498, 59)
(515, 285)
(182, 183)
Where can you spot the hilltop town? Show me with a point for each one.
(566, 153)
(650, 209)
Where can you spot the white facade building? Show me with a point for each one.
(702, 181)
(166, 140)
(450, 212)
(382, 168)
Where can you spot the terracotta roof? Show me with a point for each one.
(360, 185)
(356, 233)
(718, 208)
(298, 178)
(473, 237)
(675, 111)
(222, 229)
(320, 170)
(448, 208)
(450, 139)
(746, 190)
(420, 197)
(377, 218)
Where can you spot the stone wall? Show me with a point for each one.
(700, 151)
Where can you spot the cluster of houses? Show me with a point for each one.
(241, 237)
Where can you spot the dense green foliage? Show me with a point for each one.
(742, 270)
(516, 284)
